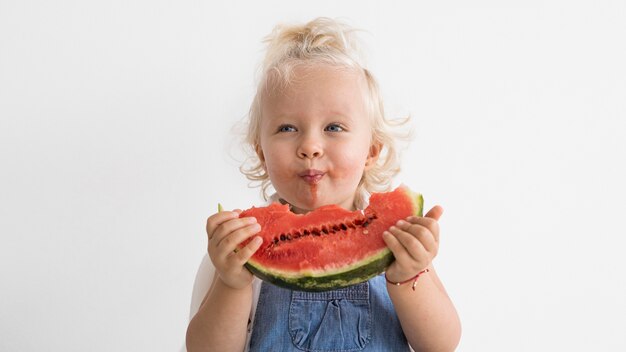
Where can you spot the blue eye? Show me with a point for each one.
(333, 127)
(286, 128)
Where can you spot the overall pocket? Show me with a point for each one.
(335, 321)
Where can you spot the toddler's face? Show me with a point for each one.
(316, 138)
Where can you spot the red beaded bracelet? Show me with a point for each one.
(414, 279)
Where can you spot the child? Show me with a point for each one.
(318, 129)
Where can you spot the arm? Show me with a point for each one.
(427, 315)
(231, 308)
(221, 321)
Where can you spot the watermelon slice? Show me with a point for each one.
(330, 247)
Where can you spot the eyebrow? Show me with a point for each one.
(332, 116)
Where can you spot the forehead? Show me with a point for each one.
(318, 90)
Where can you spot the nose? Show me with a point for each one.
(310, 147)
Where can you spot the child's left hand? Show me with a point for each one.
(414, 243)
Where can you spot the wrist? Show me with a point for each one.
(234, 287)
(412, 280)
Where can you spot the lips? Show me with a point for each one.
(311, 176)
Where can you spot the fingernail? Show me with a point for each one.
(401, 222)
(257, 240)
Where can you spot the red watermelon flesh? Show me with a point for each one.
(330, 247)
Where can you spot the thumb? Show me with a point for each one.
(435, 212)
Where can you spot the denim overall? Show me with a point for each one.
(356, 318)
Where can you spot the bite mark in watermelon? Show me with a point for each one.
(330, 247)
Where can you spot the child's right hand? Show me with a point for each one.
(225, 231)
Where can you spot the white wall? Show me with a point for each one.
(115, 146)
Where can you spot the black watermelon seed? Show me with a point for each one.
(344, 227)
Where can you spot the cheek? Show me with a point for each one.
(275, 162)
(351, 164)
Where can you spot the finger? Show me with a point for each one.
(426, 238)
(431, 224)
(413, 246)
(398, 250)
(435, 212)
(244, 254)
(217, 219)
(232, 225)
(230, 242)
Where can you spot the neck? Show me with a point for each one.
(297, 210)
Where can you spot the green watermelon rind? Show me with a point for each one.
(356, 273)
(359, 272)
(417, 199)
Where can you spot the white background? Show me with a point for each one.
(116, 144)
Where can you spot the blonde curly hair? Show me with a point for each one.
(322, 41)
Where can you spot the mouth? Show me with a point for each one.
(311, 176)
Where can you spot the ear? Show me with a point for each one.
(373, 155)
(259, 153)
